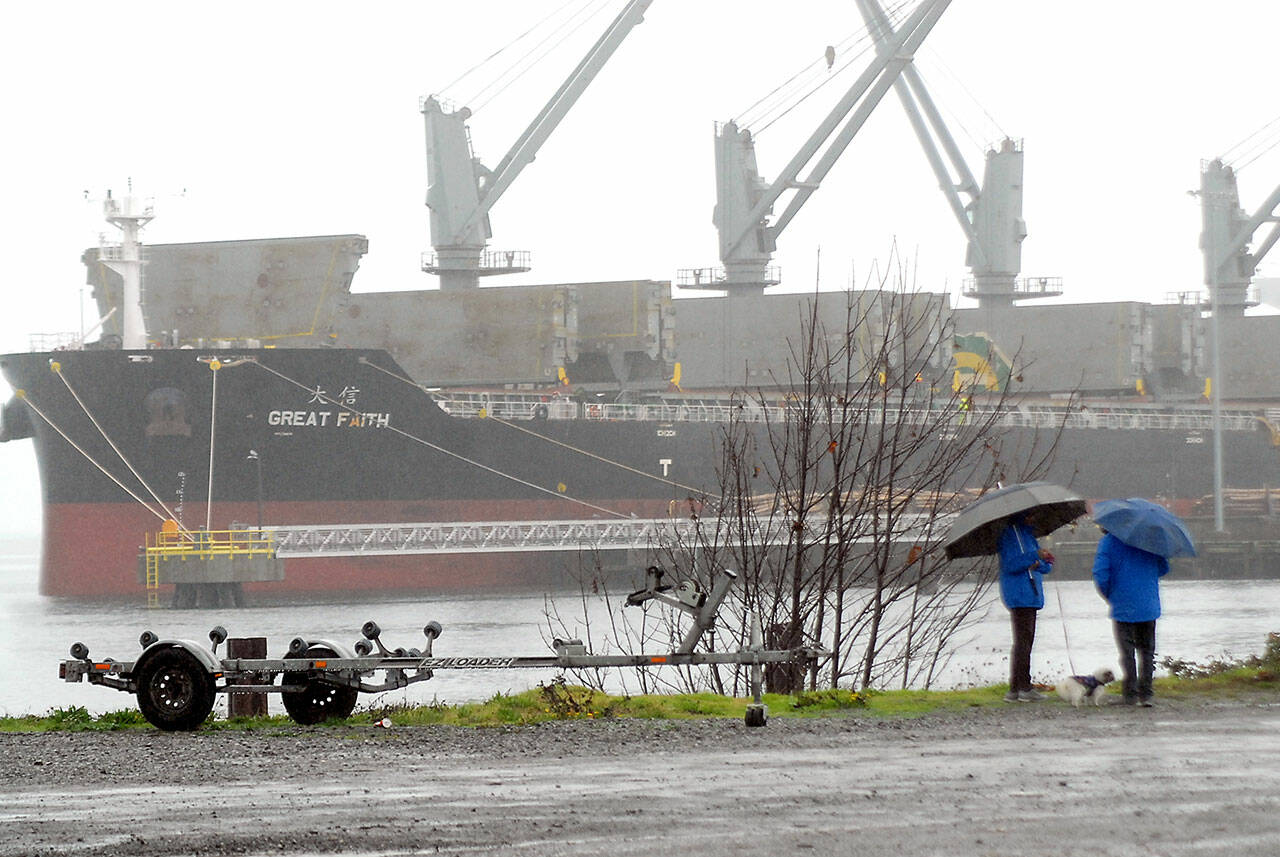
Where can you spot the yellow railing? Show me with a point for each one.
(202, 544)
(172, 545)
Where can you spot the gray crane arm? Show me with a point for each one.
(526, 147)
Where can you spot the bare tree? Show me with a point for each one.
(836, 484)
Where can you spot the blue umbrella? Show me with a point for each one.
(1144, 525)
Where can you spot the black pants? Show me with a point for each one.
(1137, 638)
(1024, 636)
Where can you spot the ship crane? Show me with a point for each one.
(744, 201)
(990, 216)
(1227, 232)
(461, 190)
(1228, 268)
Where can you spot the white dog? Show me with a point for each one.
(1076, 689)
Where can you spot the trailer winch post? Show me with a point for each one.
(704, 617)
(757, 711)
(757, 668)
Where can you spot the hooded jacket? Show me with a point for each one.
(1129, 578)
(1021, 568)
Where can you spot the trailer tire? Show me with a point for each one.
(756, 716)
(319, 700)
(175, 690)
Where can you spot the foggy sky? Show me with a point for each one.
(295, 118)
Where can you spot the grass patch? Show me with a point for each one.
(75, 719)
(551, 702)
(1224, 676)
(572, 702)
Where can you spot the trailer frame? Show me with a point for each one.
(177, 680)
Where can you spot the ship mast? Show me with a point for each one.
(461, 190)
(129, 215)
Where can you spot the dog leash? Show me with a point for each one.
(1057, 590)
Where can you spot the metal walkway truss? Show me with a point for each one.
(484, 536)
(504, 536)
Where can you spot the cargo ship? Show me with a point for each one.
(330, 406)
(337, 435)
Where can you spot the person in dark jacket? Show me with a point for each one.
(1129, 579)
(1023, 564)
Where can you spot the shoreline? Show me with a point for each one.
(1194, 775)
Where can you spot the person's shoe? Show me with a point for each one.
(1032, 695)
(1013, 696)
(1147, 702)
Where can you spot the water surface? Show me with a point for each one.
(1203, 619)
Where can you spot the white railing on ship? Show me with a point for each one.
(37, 342)
(518, 407)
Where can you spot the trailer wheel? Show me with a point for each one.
(318, 700)
(756, 715)
(175, 690)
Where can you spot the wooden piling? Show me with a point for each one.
(247, 704)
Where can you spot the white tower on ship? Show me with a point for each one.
(129, 216)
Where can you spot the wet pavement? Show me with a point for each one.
(1190, 778)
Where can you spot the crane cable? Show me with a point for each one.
(896, 18)
(869, 46)
(766, 115)
(839, 48)
(1260, 148)
(521, 73)
(1241, 143)
(946, 72)
(502, 49)
(22, 394)
(1268, 148)
(788, 100)
(551, 440)
(328, 399)
(850, 41)
(56, 367)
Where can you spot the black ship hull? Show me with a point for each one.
(342, 436)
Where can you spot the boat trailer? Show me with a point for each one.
(177, 680)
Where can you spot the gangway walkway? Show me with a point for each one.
(521, 536)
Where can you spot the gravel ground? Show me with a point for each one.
(1185, 778)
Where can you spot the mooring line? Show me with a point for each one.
(440, 449)
(22, 394)
(57, 370)
(552, 440)
(600, 458)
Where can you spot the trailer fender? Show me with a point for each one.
(201, 653)
(338, 649)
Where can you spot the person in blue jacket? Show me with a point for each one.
(1129, 579)
(1023, 564)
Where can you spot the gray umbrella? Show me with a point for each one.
(976, 530)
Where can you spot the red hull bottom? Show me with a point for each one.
(91, 549)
